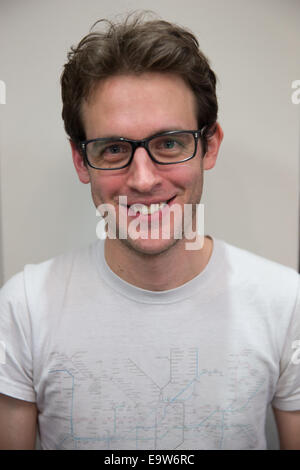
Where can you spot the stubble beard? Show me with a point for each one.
(176, 238)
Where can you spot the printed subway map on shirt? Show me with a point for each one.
(124, 408)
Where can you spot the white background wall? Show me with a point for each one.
(251, 197)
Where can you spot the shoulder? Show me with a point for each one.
(46, 275)
(242, 267)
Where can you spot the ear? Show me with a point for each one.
(213, 145)
(81, 169)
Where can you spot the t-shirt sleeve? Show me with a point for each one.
(287, 395)
(16, 368)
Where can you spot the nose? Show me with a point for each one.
(143, 173)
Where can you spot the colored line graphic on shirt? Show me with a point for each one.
(128, 409)
(71, 407)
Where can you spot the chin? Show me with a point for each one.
(149, 247)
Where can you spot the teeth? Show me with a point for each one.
(148, 210)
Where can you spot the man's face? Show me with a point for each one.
(137, 107)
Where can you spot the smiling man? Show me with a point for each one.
(137, 342)
(142, 107)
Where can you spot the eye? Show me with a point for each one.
(115, 149)
(166, 143)
(169, 144)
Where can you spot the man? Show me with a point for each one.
(141, 341)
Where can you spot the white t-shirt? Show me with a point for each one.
(113, 366)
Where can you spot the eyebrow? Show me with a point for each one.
(160, 131)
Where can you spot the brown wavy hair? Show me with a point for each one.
(136, 46)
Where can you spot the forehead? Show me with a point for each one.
(136, 106)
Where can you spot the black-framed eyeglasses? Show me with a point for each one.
(166, 148)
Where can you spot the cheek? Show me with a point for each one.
(186, 174)
(105, 188)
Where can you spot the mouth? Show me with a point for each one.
(146, 209)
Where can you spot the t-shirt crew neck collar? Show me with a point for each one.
(186, 290)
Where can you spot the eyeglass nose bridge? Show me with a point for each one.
(135, 144)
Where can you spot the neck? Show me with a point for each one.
(163, 271)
